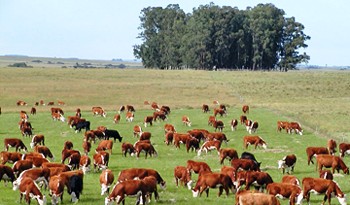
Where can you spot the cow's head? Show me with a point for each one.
(195, 192)
(281, 164)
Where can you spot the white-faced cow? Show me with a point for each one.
(140, 173)
(182, 174)
(287, 163)
(212, 180)
(245, 109)
(30, 190)
(254, 140)
(14, 142)
(106, 181)
(37, 139)
(197, 167)
(128, 148)
(344, 148)
(7, 174)
(284, 190)
(227, 153)
(98, 111)
(210, 145)
(234, 124)
(295, 127)
(186, 121)
(314, 151)
(330, 161)
(10, 157)
(251, 197)
(205, 108)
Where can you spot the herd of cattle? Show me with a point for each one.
(33, 171)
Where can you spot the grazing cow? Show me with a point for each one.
(159, 115)
(165, 109)
(253, 127)
(245, 164)
(60, 102)
(330, 161)
(253, 140)
(68, 145)
(74, 161)
(212, 180)
(245, 109)
(181, 138)
(183, 175)
(295, 127)
(144, 146)
(78, 113)
(10, 157)
(219, 136)
(205, 108)
(150, 186)
(14, 142)
(220, 111)
(287, 163)
(89, 136)
(39, 175)
(127, 148)
(331, 146)
(116, 118)
(21, 103)
(197, 167)
(101, 160)
(290, 179)
(243, 119)
(229, 153)
(57, 110)
(86, 147)
(218, 124)
(31, 190)
(20, 166)
(121, 109)
(248, 155)
(67, 153)
(56, 187)
(186, 121)
(106, 181)
(99, 111)
(326, 174)
(74, 120)
(192, 143)
(253, 198)
(56, 116)
(130, 108)
(155, 106)
(85, 163)
(145, 136)
(38, 161)
(45, 151)
(50, 103)
(256, 178)
(129, 116)
(285, 190)
(229, 171)
(148, 120)
(211, 120)
(33, 111)
(105, 145)
(126, 188)
(137, 130)
(37, 139)
(112, 134)
(169, 128)
(169, 138)
(7, 174)
(198, 134)
(210, 145)
(344, 148)
(82, 125)
(322, 186)
(248, 124)
(313, 151)
(282, 125)
(140, 173)
(234, 124)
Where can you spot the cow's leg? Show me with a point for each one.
(221, 189)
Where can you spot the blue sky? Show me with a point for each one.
(107, 29)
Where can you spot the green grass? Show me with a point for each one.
(272, 97)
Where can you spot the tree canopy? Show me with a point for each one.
(259, 38)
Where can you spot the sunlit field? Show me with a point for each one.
(318, 100)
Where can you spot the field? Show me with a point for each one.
(318, 100)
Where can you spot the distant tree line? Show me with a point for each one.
(220, 37)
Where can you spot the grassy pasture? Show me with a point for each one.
(319, 100)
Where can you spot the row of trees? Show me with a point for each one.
(220, 37)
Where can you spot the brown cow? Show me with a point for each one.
(144, 146)
(10, 157)
(37, 139)
(169, 128)
(229, 171)
(287, 163)
(68, 145)
(210, 145)
(220, 111)
(229, 153)
(45, 151)
(56, 186)
(285, 190)
(57, 110)
(219, 136)
(234, 124)
(130, 108)
(105, 145)
(218, 124)
(160, 115)
(192, 144)
(20, 166)
(197, 167)
(186, 121)
(181, 138)
(253, 127)
(169, 138)
(39, 175)
(74, 161)
(322, 186)
(252, 198)
(86, 147)
(21, 103)
(212, 180)
(242, 119)
(254, 140)
(140, 173)
(127, 188)
(129, 116)
(282, 125)
(128, 148)
(290, 179)
(85, 163)
(344, 148)
(148, 120)
(98, 111)
(30, 190)
(313, 151)
(14, 142)
(145, 136)
(295, 127)
(326, 174)
(205, 108)
(137, 130)
(101, 160)
(259, 179)
(198, 134)
(73, 180)
(245, 109)
(116, 118)
(121, 109)
(6, 173)
(182, 174)
(245, 164)
(67, 153)
(335, 162)
(211, 120)
(56, 116)
(331, 146)
(33, 111)
(106, 181)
